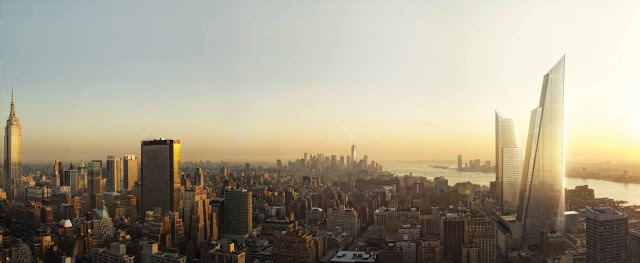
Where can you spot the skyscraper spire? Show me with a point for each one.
(13, 156)
(13, 108)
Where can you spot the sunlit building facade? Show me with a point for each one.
(114, 174)
(541, 204)
(13, 156)
(508, 164)
(129, 172)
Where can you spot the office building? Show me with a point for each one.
(607, 232)
(481, 233)
(634, 245)
(82, 176)
(129, 172)
(160, 178)
(114, 174)
(509, 159)
(459, 162)
(93, 198)
(70, 178)
(344, 219)
(294, 247)
(225, 252)
(237, 212)
(13, 156)
(453, 237)
(199, 174)
(541, 202)
(57, 173)
(117, 253)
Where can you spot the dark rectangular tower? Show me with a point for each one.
(160, 175)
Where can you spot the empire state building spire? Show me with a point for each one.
(13, 107)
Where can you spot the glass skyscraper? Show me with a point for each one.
(509, 159)
(160, 179)
(541, 205)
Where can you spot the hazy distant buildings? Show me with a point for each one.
(459, 162)
(606, 235)
(114, 174)
(509, 160)
(354, 149)
(160, 175)
(199, 174)
(13, 156)
(541, 204)
(129, 172)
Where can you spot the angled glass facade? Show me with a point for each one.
(505, 137)
(541, 205)
(512, 161)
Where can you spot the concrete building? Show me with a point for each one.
(354, 257)
(294, 247)
(225, 252)
(607, 232)
(634, 245)
(117, 253)
(344, 218)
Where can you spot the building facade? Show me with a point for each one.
(238, 209)
(607, 232)
(130, 171)
(114, 174)
(160, 178)
(541, 202)
(13, 156)
(509, 159)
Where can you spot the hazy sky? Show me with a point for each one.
(260, 80)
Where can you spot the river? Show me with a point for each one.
(617, 191)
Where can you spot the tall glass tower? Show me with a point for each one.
(160, 175)
(13, 155)
(509, 159)
(541, 205)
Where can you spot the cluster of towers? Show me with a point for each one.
(529, 181)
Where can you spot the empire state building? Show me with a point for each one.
(13, 156)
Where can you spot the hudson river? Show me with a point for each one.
(617, 191)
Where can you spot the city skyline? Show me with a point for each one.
(389, 85)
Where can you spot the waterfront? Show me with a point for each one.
(617, 191)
